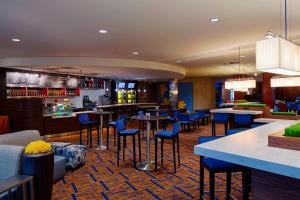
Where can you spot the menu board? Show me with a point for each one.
(17, 79)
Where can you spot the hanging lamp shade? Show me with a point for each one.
(240, 84)
(285, 81)
(278, 56)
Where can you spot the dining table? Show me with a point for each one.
(147, 165)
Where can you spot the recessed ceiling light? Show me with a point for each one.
(242, 56)
(178, 61)
(102, 31)
(16, 40)
(135, 53)
(214, 20)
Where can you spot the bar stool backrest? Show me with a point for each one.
(183, 117)
(176, 128)
(84, 118)
(201, 114)
(124, 117)
(141, 113)
(242, 118)
(221, 117)
(120, 124)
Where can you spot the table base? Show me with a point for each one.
(103, 147)
(144, 166)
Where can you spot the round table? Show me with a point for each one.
(147, 165)
(157, 111)
(100, 114)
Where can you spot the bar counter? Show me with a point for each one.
(250, 148)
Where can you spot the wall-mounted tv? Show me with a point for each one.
(121, 85)
(131, 85)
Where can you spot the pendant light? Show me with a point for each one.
(240, 84)
(277, 54)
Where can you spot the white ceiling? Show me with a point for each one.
(160, 30)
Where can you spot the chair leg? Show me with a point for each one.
(212, 185)
(213, 131)
(228, 185)
(155, 152)
(226, 128)
(134, 157)
(91, 137)
(98, 135)
(107, 138)
(124, 146)
(201, 181)
(118, 149)
(162, 151)
(178, 154)
(174, 154)
(140, 150)
(87, 135)
(80, 135)
(114, 136)
(245, 180)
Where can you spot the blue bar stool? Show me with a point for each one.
(242, 120)
(188, 120)
(200, 117)
(113, 125)
(122, 131)
(84, 121)
(218, 166)
(219, 118)
(172, 135)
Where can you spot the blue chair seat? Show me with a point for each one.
(234, 131)
(185, 122)
(165, 134)
(89, 123)
(218, 165)
(129, 131)
(220, 121)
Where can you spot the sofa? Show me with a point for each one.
(11, 148)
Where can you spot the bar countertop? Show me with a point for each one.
(250, 148)
(124, 104)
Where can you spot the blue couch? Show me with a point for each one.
(11, 148)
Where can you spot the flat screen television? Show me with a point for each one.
(121, 85)
(131, 85)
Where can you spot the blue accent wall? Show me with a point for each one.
(185, 93)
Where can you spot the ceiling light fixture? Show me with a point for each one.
(102, 31)
(135, 53)
(178, 61)
(285, 81)
(240, 84)
(270, 35)
(16, 40)
(278, 55)
(214, 20)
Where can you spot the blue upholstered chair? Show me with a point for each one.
(113, 125)
(122, 131)
(218, 166)
(234, 131)
(219, 118)
(84, 121)
(186, 120)
(171, 135)
(242, 120)
(200, 116)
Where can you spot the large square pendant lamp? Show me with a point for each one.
(278, 56)
(240, 84)
(285, 81)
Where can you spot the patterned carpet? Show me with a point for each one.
(100, 178)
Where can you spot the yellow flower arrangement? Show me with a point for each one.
(38, 146)
(181, 104)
